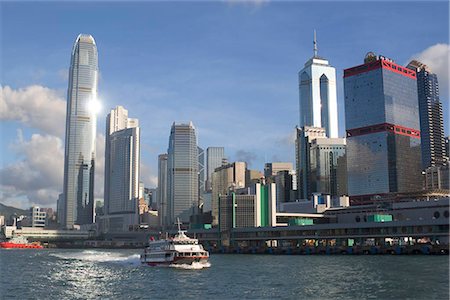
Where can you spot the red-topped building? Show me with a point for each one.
(383, 131)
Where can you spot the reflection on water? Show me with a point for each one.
(118, 274)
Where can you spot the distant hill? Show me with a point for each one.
(8, 211)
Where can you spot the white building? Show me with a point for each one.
(38, 216)
(122, 156)
(318, 100)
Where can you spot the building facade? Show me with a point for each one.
(38, 216)
(122, 160)
(327, 161)
(318, 100)
(162, 189)
(182, 165)
(382, 123)
(225, 177)
(81, 123)
(214, 157)
(431, 119)
(201, 175)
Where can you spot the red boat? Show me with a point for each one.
(20, 242)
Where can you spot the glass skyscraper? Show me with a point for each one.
(382, 123)
(318, 100)
(431, 118)
(182, 166)
(214, 157)
(162, 189)
(81, 122)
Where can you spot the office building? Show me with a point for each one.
(201, 175)
(432, 136)
(226, 177)
(318, 100)
(286, 184)
(214, 158)
(182, 166)
(327, 171)
(81, 123)
(304, 138)
(60, 210)
(271, 169)
(382, 123)
(162, 189)
(122, 159)
(38, 216)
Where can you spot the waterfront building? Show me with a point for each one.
(214, 158)
(162, 189)
(201, 175)
(286, 185)
(437, 178)
(81, 123)
(248, 207)
(182, 166)
(304, 138)
(382, 123)
(432, 136)
(252, 177)
(318, 100)
(38, 216)
(328, 166)
(229, 175)
(271, 169)
(60, 210)
(122, 159)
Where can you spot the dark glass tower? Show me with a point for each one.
(431, 119)
(382, 123)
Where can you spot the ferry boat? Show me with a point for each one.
(179, 250)
(20, 242)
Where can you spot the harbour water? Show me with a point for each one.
(117, 274)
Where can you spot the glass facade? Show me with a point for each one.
(81, 121)
(182, 164)
(382, 122)
(162, 189)
(214, 157)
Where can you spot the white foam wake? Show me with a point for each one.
(99, 256)
(193, 266)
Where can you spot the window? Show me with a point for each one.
(436, 215)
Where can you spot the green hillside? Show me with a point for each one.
(8, 211)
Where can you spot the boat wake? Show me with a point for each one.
(100, 256)
(193, 266)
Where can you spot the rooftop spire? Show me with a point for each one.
(315, 44)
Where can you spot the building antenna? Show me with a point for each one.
(315, 44)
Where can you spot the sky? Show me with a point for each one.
(230, 67)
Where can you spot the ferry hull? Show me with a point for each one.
(8, 245)
(177, 261)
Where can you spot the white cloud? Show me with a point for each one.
(437, 58)
(38, 176)
(35, 106)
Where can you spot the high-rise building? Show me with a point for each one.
(318, 100)
(226, 177)
(326, 166)
(304, 138)
(60, 210)
(81, 123)
(182, 165)
(431, 119)
(214, 157)
(122, 158)
(271, 169)
(201, 175)
(382, 123)
(162, 189)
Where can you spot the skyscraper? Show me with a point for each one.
(214, 157)
(382, 122)
(81, 122)
(318, 101)
(201, 175)
(122, 158)
(162, 189)
(430, 112)
(182, 165)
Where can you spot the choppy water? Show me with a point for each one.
(117, 274)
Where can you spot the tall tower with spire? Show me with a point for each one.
(81, 123)
(318, 100)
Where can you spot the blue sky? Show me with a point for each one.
(230, 67)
